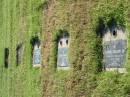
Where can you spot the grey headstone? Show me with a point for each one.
(36, 56)
(63, 57)
(114, 53)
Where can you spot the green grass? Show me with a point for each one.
(20, 20)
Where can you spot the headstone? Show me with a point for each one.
(36, 55)
(63, 48)
(114, 48)
(115, 53)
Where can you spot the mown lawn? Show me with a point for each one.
(20, 20)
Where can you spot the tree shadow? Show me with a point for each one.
(19, 51)
(35, 40)
(6, 57)
(100, 29)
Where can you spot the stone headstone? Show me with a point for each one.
(36, 55)
(63, 57)
(114, 53)
(62, 60)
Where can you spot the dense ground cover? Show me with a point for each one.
(84, 20)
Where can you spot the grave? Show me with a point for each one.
(63, 48)
(114, 49)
